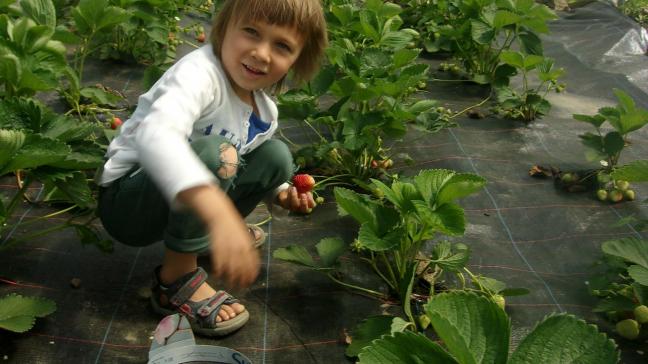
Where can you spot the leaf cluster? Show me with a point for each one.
(473, 329)
(624, 118)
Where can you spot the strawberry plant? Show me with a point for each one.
(39, 145)
(476, 32)
(528, 103)
(606, 146)
(623, 288)
(19, 313)
(30, 59)
(475, 330)
(393, 231)
(365, 93)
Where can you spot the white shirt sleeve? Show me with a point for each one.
(162, 138)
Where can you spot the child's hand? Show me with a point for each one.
(233, 253)
(291, 200)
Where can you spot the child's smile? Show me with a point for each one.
(257, 55)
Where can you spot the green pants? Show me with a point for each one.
(134, 212)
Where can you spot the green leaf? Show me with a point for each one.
(615, 303)
(295, 254)
(10, 142)
(474, 329)
(481, 32)
(636, 171)
(404, 56)
(630, 249)
(10, 66)
(596, 120)
(369, 239)
(323, 80)
(373, 328)
(100, 97)
(632, 120)
(329, 250)
(639, 274)
(17, 313)
(530, 43)
(36, 151)
(459, 186)
(613, 143)
(421, 106)
(513, 58)
(395, 40)
(344, 13)
(41, 11)
(626, 103)
(75, 187)
(404, 347)
(446, 259)
(504, 18)
(352, 203)
(531, 61)
(565, 339)
(490, 284)
(430, 181)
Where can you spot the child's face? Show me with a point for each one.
(257, 55)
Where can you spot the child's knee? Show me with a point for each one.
(229, 161)
(281, 158)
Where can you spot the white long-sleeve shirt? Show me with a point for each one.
(192, 99)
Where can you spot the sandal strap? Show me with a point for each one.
(183, 288)
(215, 302)
(187, 289)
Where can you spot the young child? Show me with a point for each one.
(197, 155)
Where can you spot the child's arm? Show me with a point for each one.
(233, 254)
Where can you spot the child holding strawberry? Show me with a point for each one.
(197, 155)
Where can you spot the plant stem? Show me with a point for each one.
(17, 197)
(373, 265)
(358, 288)
(22, 239)
(47, 216)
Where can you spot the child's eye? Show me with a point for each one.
(284, 47)
(250, 31)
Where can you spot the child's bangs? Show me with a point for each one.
(290, 13)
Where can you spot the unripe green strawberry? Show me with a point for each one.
(602, 195)
(628, 329)
(499, 299)
(622, 185)
(641, 314)
(319, 200)
(603, 178)
(629, 195)
(568, 177)
(303, 182)
(615, 196)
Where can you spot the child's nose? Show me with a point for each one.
(262, 52)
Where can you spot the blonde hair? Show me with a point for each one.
(306, 16)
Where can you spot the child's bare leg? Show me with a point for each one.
(175, 265)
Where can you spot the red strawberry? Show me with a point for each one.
(303, 182)
(115, 123)
(201, 37)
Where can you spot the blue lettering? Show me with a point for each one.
(238, 358)
(208, 129)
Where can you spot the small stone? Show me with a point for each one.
(475, 114)
(75, 283)
(640, 352)
(6, 357)
(51, 342)
(144, 292)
